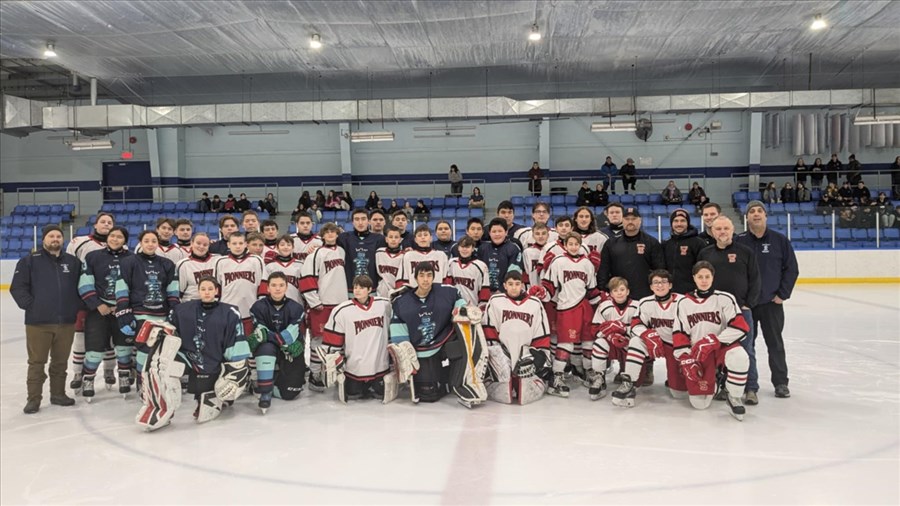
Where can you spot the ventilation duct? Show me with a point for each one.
(865, 135)
(798, 134)
(809, 134)
(878, 135)
(836, 133)
(889, 135)
(853, 142)
(820, 132)
(777, 124)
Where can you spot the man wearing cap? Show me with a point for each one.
(632, 256)
(629, 175)
(681, 250)
(45, 285)
(778, 271)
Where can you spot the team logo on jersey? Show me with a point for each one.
(517, 315)
(640, 248)
(662, 322)
(706, 316)
(236, 275)
(201, 273)
(684, 250)
(732, 258)
(361, 325)
(464, 282)
(570, 275)
(65, 268)
(333, 264)
(765, 247)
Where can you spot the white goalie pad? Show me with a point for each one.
(499, 385)
(391, 387)
(160, 383)
(406, 362)
(152, 331)
(332, 366)
(467, 372)
(232, 381)
(210, 407)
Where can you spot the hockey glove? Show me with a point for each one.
(690, 368)
(332, 366)
(704, 346)
(293, 350)
(259, 335)
(232, 380)
(538, 292)
(609, 327)
(653, 343)
(618, 340)
(594, 257)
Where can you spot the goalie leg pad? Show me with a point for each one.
(332, 365)
(161, 384)
(391, 387)
(290, 377)
(468, 356)
(210, 407)
(405, 359)
(233, 379)
(529, 389)
(500, 363)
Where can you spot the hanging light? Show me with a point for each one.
(818, 23)
(535, 34)
(315, 42)
(611, 126)
(50, 52)
(372, 136)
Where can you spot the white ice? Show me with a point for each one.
(835, 441)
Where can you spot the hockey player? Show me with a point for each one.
(97, 287)
(475, 230)
(324, 286)
(507, 212)
(613, 213)
(199, 264)
(277, 340)
(532, 259)
(389, 261)
(444, 241)
(270, 240)
(377, 221)
(571, 279)
(249, 221)
(305, 240)
(451, 357)
(540, 212)
(469, 275)
(401, 221)
(256, 244)
(208, 337)
(420, 252)
(518, 336)
(147, 289)
(285, 263)
(79, 247)
(228, 225)
(355, 346)
(500, 254)
(707, 335)
(592, 239)
(359, 246)
(564, 225)
(184, 231)
(651, 338)
(239, 275)
(611, 322)
(165, 229)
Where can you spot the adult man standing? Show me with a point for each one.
(608, 173)
(632, 256)
(681, 250)
(49, 315)
(778, 272)
(710, 212)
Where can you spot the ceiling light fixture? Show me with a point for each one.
(315, 42)
(610, 126)
(818, 23)
(876, 120)
(50, 52)
(90, 144)
(371, 136)
(259, 132)
(535, 34)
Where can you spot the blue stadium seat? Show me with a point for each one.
(168, 207)
(858, 234)
(809, 234)
(452, 212)
(641, 199)
(56, 209)
(625, 200)
(815, 195)
(816, 220)
(792, 207)
(15, 244)
(557, 200)
(20, 209)
(571, 199)
(645, 210)
(658, 210)
(133, 206)
(754, 195)
(530, 200)
(156, 207)
(451, 202)
(808, 207)
(342, 216)
(19, 219)
(185, 207)
(517, 201)
(775, 209)
(437, 202)
(476, 212)
(570, 209)
(740, 197)
(107, 207)
(358, 203)
(799, 220)
(463, 202)
(892, 234)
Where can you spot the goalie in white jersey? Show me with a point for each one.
(422, 252)
(518, 335)
(610, 323)
(389, 261)
(651, 338)
(707, 335)
(469, 274)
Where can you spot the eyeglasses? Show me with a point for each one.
(660, 283)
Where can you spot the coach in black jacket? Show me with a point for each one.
(631, 256)
(681, 251)
(45, 285)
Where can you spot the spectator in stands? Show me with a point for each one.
(320, 199)
(770, 194)
(697, 197)
(373, 201)
(421, 212)
(629, 175)
(861, 193)
(800, 171)
(301, 208)
(846, 194)
(242, 203)
(204, 205)
(230, 204)
(826, 204)
(215, 206)
(854, 171)
(817, 170)
(456, 184)
(885, 210)
(866, 216)
(408, 210)
(600, 197)
(585, 195)
(670, 195)
(346, 200)
(305, 200)
(788, 193)
(315, 213)
(895, 176)
(535, 185)
(394, 208)
(477, 199)
(333, 202)
(833, 169)
(379, 206)
(803, 193)
(269, 204)
(708, 214)
(832, 192)
(608, 173)
(847, 218)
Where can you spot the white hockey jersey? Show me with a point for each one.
(361, 332)
(717, 314)
(594, 241)
(413, 257)
(82, 245)
(240, 279)
(292, 269)
(569, 280)
(190, 270)
(324, 280)
(526, 237)
(609, 310)
(516, 323)
(533, 260)
(470, 278)
(302, 245)
(651, 314)
(389, 265)
(173, 252)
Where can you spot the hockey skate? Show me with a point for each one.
(736, 407)
(265, 401)
(316, 383)
(77, 382)
(125, 382)
(87, 388)
(596, 385)
(648, 377)
(109, 377)
(625, 394)
(558, 385)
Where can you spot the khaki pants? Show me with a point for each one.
(55, 342)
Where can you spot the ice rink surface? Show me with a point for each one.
(835, 441)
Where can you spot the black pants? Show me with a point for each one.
(628, 181)
(98, 330)
(770, 318)
(356, 389)
(456, 188)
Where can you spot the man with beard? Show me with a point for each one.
(632, 256)
(681, 250)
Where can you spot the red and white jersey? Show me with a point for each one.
(270, 252)
(240, 279)
(413, 257)
(609, 311)
(470, 278)
(516, 323)
(82, 245)
(361, 331)
(190, 270)
(302, 245)
(717, 314)
(594, 241)
(659, 316)
(569, 280)
(292, 271)
(324, 280)
(526, 237)
(389, 264)
(533, 260)
(173, 252)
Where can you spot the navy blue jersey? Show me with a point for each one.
(359, 249)
(444, 246)
(210, 334)
(284, 324)
(426, 323)
(500, 259)
(99, 274)
(148, 285)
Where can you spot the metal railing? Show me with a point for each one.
(73, 195)
(519, 185)
(159, 192)
(390, 190)
(751, 181)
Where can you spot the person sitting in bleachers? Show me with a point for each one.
(826, 204)
(846, 194)
(895, 177)
(885, 210)
(373, 201)
(204, 205)
(394, 208)
(770, 194)
(242, 203)
(866, 216)
(600, 197)
(861, 194)
(320, 199)
(421, 212)
(408, 210)
(803, 193)
(315, 213)
(477, 199)
(269, 204)
(585, 195)
(788, 194)
(215, 206)
(230, 204)
(847, 218)
(333, 202)
(697, 196)
(671, 194)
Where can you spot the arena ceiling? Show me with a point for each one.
(200, 52)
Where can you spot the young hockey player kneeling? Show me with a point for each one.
(518, 336)
(214, 350)
(435, 320)
(707, 335)
(277, 341)
(611, 322)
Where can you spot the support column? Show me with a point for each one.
(544, 146)
(346, 164)
(756, 122)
